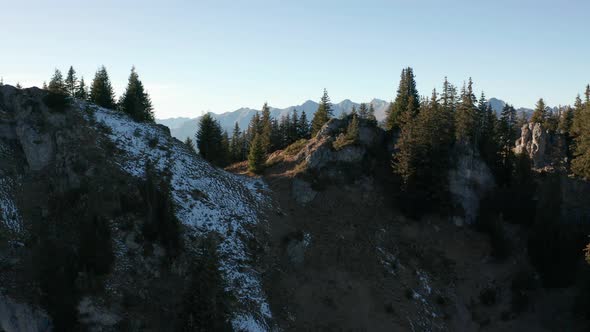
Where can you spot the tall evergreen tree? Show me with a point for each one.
(265, 127)
(581, 160)
(371, 114)
(71, 82)
(322, 115)
(256, 155)
(236, 144)
(304, 130)
(406, 104)
(189, 144)
(135, 101)
(363, 111)
(506, 132)
(465, 116)
(82, 90)
(209, 140)
(540, 112)
(101, 90)
(56, 84)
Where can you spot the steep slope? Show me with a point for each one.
(50, 147)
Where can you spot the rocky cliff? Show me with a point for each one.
(545, 149)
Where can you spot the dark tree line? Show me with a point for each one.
(135, 101)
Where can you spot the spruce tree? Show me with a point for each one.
(265, 127)
(581, 155)
(209, 140)
(256, 156)
(101, 90)
(189, 144)
(56, 84)
(371, 114)
(236, 144)
(465, 116)
(406, 104)
(71, 82)
(303, 126)
(322, 115)
(44, 86)
(135, 101)
(540, 112)
(18, 86)
(82, 91)
(363, 111)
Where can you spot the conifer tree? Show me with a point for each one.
(56, 84)
(406, 104)
(506, 132)
(581, 160)
(303, 126)
(71, 82)
(44, 86)
(18, 86)
(189, 144)
(236, 144)
(363, 111)
(540, 112)
(323, 114)
(2, 81)
(265, 127)
(82, 91)
(256, 155)
(465, 116)
(371, 114)
(209, 140)
(101, 90)
(135, 101)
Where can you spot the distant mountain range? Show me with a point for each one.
(183, 127)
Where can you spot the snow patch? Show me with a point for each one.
(207, 199)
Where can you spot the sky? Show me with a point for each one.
(196, 56)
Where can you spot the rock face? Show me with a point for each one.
(21, 317)
(468, 182)
(543, 148)
(533, 142)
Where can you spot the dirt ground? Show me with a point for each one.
(348, 261)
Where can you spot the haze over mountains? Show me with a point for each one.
(183, 127)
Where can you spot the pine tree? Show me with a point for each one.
(265, 128)
(256, 155)
(406, 104)
(101, 90)
(236, 144)
(540, 113)
(465, 116)
(371, 114)
(581, 160)
(303, 126)
(56, 84)
(71, 82)
(506, 132)
(135, 101)
(44, 86)
(363, 111)
(82, 91)
(189, 144)
(323, 114)
(209, 140)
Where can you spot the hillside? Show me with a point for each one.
(96, 161)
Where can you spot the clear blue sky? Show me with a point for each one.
(196, 56)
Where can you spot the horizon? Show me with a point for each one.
(202, 57)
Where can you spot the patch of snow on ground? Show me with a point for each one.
(207, 199)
